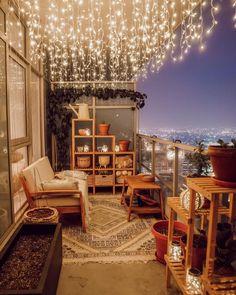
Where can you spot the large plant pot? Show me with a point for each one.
(124, 145)
(224, 165)
(103, 129)
(199, 250)
(35, 270)
(160, 232)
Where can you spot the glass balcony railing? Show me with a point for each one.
(166, 160)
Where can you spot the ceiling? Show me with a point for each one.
(108, 39)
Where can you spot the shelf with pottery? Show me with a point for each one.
(100, 155)
(124, 166)
(211, 283)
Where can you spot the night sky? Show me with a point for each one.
(199, 92)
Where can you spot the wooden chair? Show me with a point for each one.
(64, 200)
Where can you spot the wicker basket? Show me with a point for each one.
(41, 215)
(104, 180)
(83, 161)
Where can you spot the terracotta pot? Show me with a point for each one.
(161, 238)
(223, 162)
(103, 129)
(199, 250)
(124, 145)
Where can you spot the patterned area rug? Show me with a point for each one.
(109, 238)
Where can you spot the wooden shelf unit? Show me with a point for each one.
(213, 192)
(93, 178)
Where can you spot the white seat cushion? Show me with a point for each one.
(38, 172)
(60, 184)
(57, 201)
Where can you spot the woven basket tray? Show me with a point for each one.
(41, 215)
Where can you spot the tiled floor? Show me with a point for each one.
(114, 279)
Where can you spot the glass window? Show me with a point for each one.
(35, 63)
(5, 198)
(19, 162)
(16, 32)
(17, 95)
(2, 21)
(121, 121)
(36, 116)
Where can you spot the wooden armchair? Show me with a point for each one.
(64, 200)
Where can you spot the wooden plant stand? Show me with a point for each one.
(213, 192)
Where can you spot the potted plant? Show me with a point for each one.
(199, 167)
(199, 249)
(198, 160)
(160, 232)
(31, 260)
(223, 160)
(103, 128)
(124, 145)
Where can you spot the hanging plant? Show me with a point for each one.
(59, 119)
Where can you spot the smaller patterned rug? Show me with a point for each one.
(109, 238)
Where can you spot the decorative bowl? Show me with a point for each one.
(148, 178)
(82, 132)
(83, 161)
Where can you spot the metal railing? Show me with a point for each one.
(165, 160)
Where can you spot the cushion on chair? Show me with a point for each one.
(60, 184)
(38, 172)
(56, 201)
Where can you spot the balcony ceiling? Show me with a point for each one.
(93, 40)
(83, 8)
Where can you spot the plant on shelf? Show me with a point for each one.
(225, 260)
(103, 128)
(198, 160)
(223, 160)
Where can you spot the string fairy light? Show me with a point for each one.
(116, 40)
(234, 17)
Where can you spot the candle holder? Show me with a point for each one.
(117, 148)
(175, 251)
(87, 132)
(193, 281)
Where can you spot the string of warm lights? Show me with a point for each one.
(115, 40)
(234, 6)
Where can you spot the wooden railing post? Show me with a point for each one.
(139, 153)
(175, 171)
(153, 158)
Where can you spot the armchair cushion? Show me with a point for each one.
(60, 184)
(38, 172)
(58, 201)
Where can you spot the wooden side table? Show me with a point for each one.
(136, 183)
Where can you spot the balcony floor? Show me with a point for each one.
(116, 279)
(91, 278)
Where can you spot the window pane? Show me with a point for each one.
(35, 63)
(19, 162)
(16, 33)
(35, 111)
(5, 198)
(121, 121)
(2, 21)
(17, 99)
